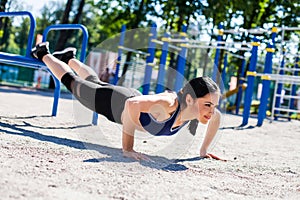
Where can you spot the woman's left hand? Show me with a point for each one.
(211, 156)
(136, 155)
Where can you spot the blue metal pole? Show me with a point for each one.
(216, 61)
(82, 55)
(70, 27)
(150, 59)
(240, 91)
(266, 82)
(160, 87)
(31, 29)
(119, 59)
(280, 85)
(181, 63)
(251, 73)
(294, 86)
(223, 75)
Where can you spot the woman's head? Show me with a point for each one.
(198, 88)
(200, 95)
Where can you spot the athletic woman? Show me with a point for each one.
(159, 114)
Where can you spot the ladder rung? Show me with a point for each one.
(287, 110)
(288, 96)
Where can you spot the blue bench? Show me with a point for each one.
(28, 61)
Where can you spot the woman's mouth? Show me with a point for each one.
(207, 117)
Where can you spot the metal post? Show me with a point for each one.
(240, 91)
(162, 64)
(225, 63)
(279, 85)
(181, 63)
(266, 81)
(250, 82)
(119, 59)
(149, 60)
(216, 62)
(294, 86)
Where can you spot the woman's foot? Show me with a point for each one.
(40, 50)
(66, 54)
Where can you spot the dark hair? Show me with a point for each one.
(197, 88)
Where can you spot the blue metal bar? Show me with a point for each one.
(31, 30)
(82, 57)
(250, 82)
(150, 59)
(266, 82)
(68, 27)
(15, 59)
(280, 85)
(32, 63)
(216, 61)
(240, 91)
(223, 75)
(119, 59)
(181, 64)
(294, 86)
(162, 65)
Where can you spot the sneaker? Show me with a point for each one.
(66, 54)
(40, 50)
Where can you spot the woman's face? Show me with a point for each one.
(204, 107)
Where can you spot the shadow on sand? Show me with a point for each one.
(113, 154)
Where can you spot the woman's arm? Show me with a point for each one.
(130, 119)
(211, 132)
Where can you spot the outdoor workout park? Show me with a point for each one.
(52, 147)
(267, 89)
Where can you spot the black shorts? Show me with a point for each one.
(103, 98)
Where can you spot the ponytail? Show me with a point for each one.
(193, 126)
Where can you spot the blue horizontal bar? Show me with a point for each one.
(24, 61)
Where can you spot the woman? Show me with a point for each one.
(159, 114)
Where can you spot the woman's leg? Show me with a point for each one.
(57, 67)
(68, 56)
(81, 69)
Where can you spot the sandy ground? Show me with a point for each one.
(64, 157)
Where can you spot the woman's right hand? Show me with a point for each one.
(136, 155)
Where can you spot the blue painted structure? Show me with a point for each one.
(181, 62)
(216, 61)
(150, 59)
(28, 61)
(266, 81)
(160, 87)
(250, 82)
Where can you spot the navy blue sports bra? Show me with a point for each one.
(157, 128)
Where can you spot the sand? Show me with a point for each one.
(65, 157)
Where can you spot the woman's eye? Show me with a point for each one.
(207, 104)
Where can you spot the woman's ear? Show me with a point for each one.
(189, 100)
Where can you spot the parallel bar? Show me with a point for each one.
(70, 27)
(215, 47)
(31, 30)
(133, 50)
(287, 96)
(287, 110)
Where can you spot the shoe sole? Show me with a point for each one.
(64, 51)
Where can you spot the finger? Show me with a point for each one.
(146, 158)
(215, 157)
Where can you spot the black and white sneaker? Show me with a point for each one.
(66, 54)
(40, 50)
